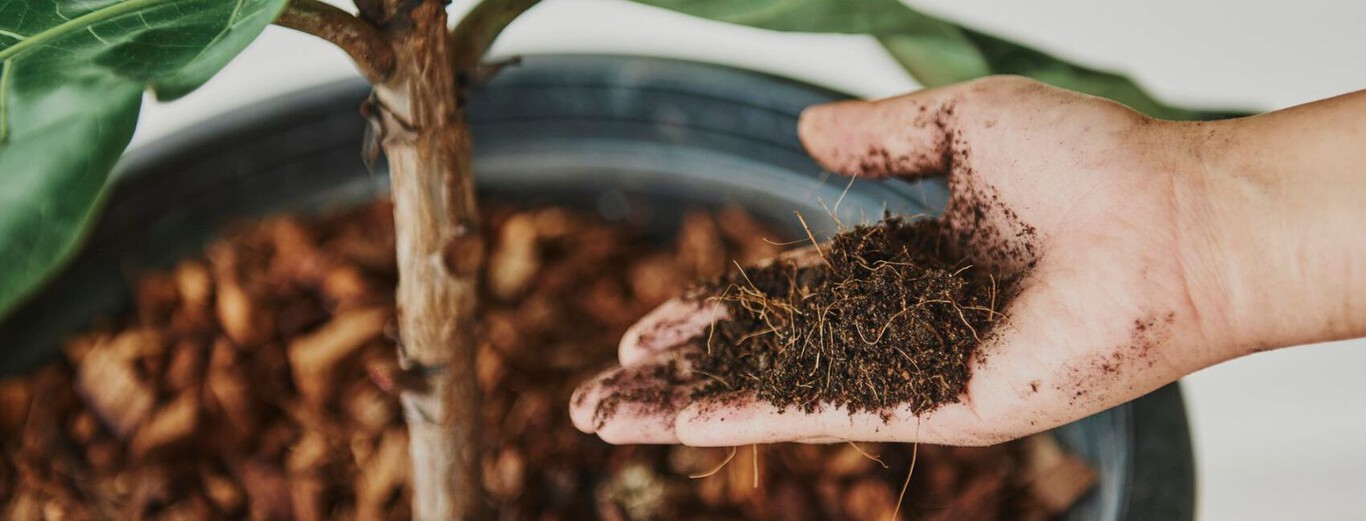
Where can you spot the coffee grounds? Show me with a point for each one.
(888, 319)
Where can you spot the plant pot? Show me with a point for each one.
(630, 138)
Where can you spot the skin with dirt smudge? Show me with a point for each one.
(1131, 247)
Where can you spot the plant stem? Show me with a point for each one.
(476, 31)
(403, 47)
(440, 252)
(359, 38)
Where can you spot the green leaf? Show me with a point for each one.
(933, 51)
(72, 74)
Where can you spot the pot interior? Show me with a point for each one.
(636, 139)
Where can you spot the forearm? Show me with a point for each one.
(1287, 201)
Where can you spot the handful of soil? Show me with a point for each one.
(887, 319)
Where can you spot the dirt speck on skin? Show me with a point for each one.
(982, 225)
(1094, 377)
(656, 387)
(1148, 332)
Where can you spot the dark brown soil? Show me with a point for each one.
(253, 384)
(888, 319)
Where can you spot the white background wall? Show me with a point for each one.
(1279, 436)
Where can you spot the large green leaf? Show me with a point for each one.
(933, 51)
(72, 74)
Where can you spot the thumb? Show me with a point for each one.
(906, 136)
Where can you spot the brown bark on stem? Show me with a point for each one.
(403, 47)
(361, 40)
(440, 251)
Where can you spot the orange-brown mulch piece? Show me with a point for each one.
(255, 383)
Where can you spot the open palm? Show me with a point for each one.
(1079, 202)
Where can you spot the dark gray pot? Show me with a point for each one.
(642, 137)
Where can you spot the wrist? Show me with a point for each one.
(1273, 250)
(1207, 203)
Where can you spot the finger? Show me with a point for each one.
(668, 326)
(635, 404)
(732, 421)
(906, 135)
(742, 419)
(821, 440)
(584, 402)
(680, 320)
(801, 257)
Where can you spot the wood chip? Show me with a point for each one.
(171, 425)
(185, 369)
(104, 454)
(308, 454)
(225, 495)
(504, 473)
(489, 368)
(15, 394)
(84, 427)
(156, 297)
(1056, 478)
(147, 487)
(655, 279)
(228, 393)
(76, 348)
(516, 258)
(267, 491)
(348, 288)
(367, 407)
(313, 357)
(848, 461)
(382, 473)
(110, 383)
(189, 508)
(700, 249)
(237, 315)
(194, 284)
(754, 239)
(27, 504)
(307, 495)
(242, 318)
(871, 500)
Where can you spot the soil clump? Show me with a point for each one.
(886, 318)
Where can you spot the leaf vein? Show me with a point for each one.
(227, 27)
(81, 22)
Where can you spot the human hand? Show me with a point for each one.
(1100, 215)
